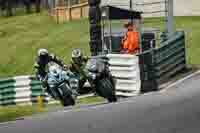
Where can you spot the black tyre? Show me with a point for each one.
(95, 42)
(113, 98)
(95, 28)
(106, 90)
(94, 15)
(96, 45)
(95, 32)
(66, 98)
(93, 49)
(96, 36)
(94, 2)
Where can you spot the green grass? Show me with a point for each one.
(192, 38)
(11, 113)
(93, 99)
(21, 36)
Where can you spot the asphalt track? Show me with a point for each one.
(175, 110)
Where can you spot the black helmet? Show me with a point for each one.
(77, 56)
(43, 55)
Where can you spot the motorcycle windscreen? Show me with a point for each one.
(57, 76)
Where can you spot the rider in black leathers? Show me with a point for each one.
(77, 66)
(42, 60)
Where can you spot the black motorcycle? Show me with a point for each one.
(100, 78)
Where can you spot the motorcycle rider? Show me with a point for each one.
(77, 65)
(42, 60)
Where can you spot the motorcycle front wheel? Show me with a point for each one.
(106, 89)
(66, 97)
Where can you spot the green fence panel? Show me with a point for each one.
(159, 64)
(36, 89)
(174, 38)
(165, 65)
(7, 90)
(165, 55)
(170, 58)
(31, 88)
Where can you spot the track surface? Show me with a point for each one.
(175, 110)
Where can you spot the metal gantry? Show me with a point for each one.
(169, 12)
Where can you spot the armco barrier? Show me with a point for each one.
(170, 58)
(19, 90)
(159, 64)
(125, 69)
(24, 90)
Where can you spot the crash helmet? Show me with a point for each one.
(43, 56)
(77, 56)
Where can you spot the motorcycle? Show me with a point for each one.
(100, 78)
(61, 86)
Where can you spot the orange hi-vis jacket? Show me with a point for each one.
(131, 41)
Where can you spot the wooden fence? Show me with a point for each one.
(62, 13)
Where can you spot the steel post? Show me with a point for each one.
(170, 17)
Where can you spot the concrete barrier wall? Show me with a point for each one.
(126, 71)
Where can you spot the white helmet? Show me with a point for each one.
(42, 52)
(76, 53)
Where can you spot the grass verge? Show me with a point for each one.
(11, 113)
